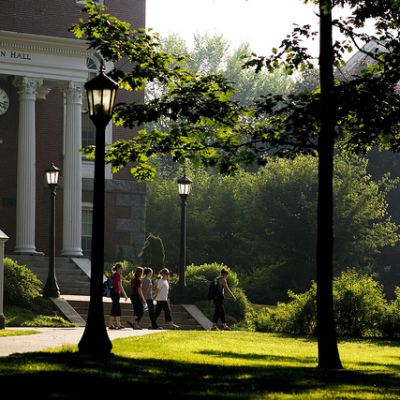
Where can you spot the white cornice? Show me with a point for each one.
(47, 57)
(40, 43)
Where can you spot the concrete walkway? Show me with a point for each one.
(47, 338)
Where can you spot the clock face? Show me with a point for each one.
(4, 101)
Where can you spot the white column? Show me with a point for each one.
(3, 240)
(26, 172)
(72, 171)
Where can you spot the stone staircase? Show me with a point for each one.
(188, 317)
(71, 279)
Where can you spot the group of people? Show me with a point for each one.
(142, 298)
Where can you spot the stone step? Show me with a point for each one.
(70, 278)
(179, 315)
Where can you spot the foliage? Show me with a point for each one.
(197, 281)
(262, 224)
(211, 130)
(152, 254)
(298, 316)
(21, 285)
(23, 304)
(391, 318)
(198, 105)
(16, 316)
(359, 304)
(213, 55)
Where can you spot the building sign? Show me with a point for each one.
(14, 55)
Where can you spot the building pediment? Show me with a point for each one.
(49, 58)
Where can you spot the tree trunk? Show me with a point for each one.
(328, 354)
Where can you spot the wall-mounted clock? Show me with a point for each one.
(4, 101)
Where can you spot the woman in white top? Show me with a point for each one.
(161, 296)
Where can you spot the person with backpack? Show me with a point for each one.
(115, 297)
(221, 285)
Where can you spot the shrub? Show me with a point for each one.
(359, 304)
(199, 277)
(391, 318)
(21, 286)
(153, 254)
(197, 282)
(297, 317)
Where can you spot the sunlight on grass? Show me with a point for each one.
(222, 348)
(227, 365)
(16, 332)
(371, 366)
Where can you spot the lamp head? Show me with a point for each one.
(184, 185)
(52, 174)
(101, 92)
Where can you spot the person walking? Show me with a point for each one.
(219, 312)
(147, 289)
(137, 299)
(161, 296)
(115, 297)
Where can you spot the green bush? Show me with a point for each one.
(153, 253)
(359, 304)
(197, 282)
(199, 277)
(390, 323)
(21, 286)
(297, 317)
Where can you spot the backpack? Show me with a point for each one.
(213, 289)
(108, 286)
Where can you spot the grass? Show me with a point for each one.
(9, 332)
(227, 365)
(21, 317)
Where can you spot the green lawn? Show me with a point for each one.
(239, 365)
(8, 332)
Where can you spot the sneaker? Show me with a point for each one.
(227, 328)
(130, 323)
(121, 327)
(112, 327)
(214, 328)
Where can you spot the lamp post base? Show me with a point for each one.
(95, 341)
(182, 296)
(51, 289)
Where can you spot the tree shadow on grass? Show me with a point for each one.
(71, 376)
(251, 356)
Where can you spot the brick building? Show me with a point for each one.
(43, 68)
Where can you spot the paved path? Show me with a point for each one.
(55, 337)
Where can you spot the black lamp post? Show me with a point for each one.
(101, 93)
(182, 296)
(51, 288)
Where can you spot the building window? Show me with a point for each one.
(87, 224)
(91, 64)
(88, 128)
(88, 131)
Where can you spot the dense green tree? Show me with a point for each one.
(152, 254)
(263, 224)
